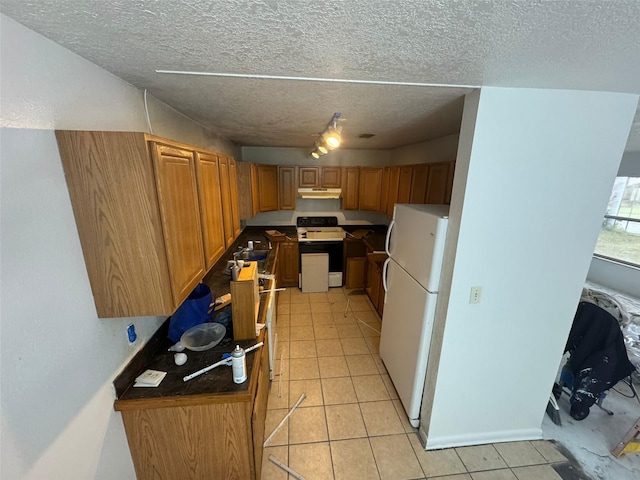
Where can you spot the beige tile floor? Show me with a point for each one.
(351, 424)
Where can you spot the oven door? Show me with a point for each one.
(333, 248)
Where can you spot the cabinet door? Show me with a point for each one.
(437, 183)
(370, 187)
(225, 188)
(289, 264)
(394, 183)
(419, 183)
(233, 183)
(248, 185)
(184, 442)
(287, 188)
(372, 285)
(309, 177)
(350, 188)
(255, 195)
(331, 177)
(178, 201)
(268, 187)
(452, 169)
(404, 185)
(115, 204)
(210, 207)
(384, 193)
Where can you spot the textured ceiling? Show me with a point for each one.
(452, 45)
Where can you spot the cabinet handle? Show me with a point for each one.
(388, 239)
(385, 267)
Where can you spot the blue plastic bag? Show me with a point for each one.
(193, 311)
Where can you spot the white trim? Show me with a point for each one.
(312, 79)
(482, 438)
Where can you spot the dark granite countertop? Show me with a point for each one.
(155, 354)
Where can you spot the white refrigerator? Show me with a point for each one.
(415, 245)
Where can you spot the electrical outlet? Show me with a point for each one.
(476, 292)
(131, 334)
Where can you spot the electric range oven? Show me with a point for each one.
(322, 235)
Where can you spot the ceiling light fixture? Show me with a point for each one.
(329, 139)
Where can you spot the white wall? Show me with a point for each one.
(58, 359)
(523, 227)
(301, 156)
(619, 277)
(438, 150)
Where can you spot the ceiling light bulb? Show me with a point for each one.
(322, 149)
(333, 140)
(315, 154)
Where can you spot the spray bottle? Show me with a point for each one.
(239, 365)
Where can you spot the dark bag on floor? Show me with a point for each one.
(193, 311)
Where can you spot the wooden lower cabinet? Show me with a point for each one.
(288, 264)
(355, 269)
(215, 437)
(373, 283)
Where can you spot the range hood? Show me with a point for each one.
(320, 193)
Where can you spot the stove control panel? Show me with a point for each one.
(316, 222)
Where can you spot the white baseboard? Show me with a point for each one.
(434, 443)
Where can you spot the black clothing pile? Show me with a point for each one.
(598, 356)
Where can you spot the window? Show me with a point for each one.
(619, 237)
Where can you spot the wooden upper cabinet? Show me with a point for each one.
(287, 188)
(209, 192)
(248, 202)
(404, 184)
(268, 187)
(136, 209)
(394, 183)
(419, 183)
(320, 177)
(438, 183)
(350, 187)
(331, 177)
(384, 192)
(227, 215)
(370, 188)
(452, 169)
(309, 177)
(255, 192)
(179, 209)
(233, 184)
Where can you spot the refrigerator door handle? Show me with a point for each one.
(388, 239)
(385, 267)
